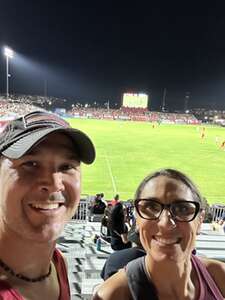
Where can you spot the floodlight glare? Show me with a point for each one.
(8, 52)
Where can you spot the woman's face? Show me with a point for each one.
(166, 238)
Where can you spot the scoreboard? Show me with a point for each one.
(139, 100)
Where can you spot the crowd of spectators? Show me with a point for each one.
(49, 103)
(17, 109)
(132, 114)
(19, 104)
(208, 115)
(193, 116)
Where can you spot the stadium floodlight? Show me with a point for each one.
(8, 54)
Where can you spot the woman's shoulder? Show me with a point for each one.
(217, 271)
(214, 266)
(115, 287)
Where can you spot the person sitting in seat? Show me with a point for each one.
(104, 230)
(118, 228)
(119, 259)
(98, 206)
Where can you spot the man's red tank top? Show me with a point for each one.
(8, 293)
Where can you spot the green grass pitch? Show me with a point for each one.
(128, 151)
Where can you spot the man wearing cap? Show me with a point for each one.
(40, 181)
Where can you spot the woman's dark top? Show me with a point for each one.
(117, 260)
(142, 288)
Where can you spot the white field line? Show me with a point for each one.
(111, 174)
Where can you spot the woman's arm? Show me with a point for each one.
(116, 287)
(217, 271)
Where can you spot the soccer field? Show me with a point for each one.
(128, 151)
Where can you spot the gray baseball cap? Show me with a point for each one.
(21, 134)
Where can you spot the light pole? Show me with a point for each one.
(8, 54)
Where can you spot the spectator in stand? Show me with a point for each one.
(40, 183)
(118, 227)
(104, 230)
(115, 200)
(107, 213)
(222, 219)
(98, 206)
(221, 223)
(121, 258)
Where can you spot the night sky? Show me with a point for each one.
(96, 50)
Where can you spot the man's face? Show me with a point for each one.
(40, 191)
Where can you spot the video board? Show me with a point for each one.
(135, 100)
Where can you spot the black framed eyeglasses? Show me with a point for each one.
(181, 211)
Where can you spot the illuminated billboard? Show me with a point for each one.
(135, 100)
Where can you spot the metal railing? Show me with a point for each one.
(81, 214)
(217, 212)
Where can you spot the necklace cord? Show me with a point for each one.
(5, 267)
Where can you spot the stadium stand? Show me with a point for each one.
(41, 101)
(25, 103)
(209, 115)
(194, 116)
(133, 114)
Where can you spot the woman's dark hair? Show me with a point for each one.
(116, 217)
(171, 173)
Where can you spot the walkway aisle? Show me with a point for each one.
(84, 261)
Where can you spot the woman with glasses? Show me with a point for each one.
(169, 215)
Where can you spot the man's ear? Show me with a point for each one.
(201, 219)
